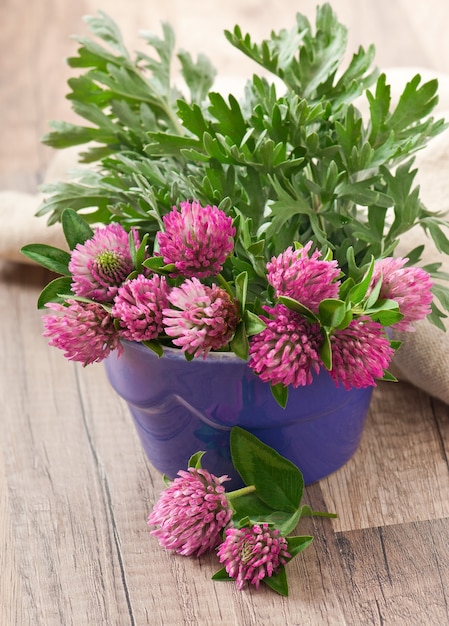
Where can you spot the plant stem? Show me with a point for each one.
(240, 492)
(323, 514)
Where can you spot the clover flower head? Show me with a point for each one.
(191, 513)
(197, 240)
(138, 306)
(305, 278)
(85, 331)
(101, 264)
(250, 554)
(287, 350)
(410, 287)
(360, 353)
(204, 318)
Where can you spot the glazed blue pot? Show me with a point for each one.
(181, 407)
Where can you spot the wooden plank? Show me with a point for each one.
(395, 575)
(400, 456)
(33, 85)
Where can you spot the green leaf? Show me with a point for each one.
(387, 317)
(332, 312)
(140, 252)
(280, 394)
(157, 265)
(251, 508)
(373, 296)
(345, 287)
(167, 480)
(296, 306)
(76, 229)
(239, 343)
(241, 288)
(298, 544)
(415, 102)
(386, 312)
(49, 257)
(155, 346)
(436, 317)
(51, 293)
(278, 482)
(358, 292)
(278, 581)
(221, 575)
(253, 323)
(388, 376)
(287, 525)
(326, 350)
(195, 460)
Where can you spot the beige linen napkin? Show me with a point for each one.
(422, 360)
(20, 225)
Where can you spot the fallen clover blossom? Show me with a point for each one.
(195, 514)
(191, 513)
(251, 553)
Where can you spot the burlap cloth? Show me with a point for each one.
(422, 360)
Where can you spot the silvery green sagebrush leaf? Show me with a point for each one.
(159, 69)
(298, 159)
(436, 316)
(319, 56)
(199, 76)
(442, 293)
(76, 196)
(414, 103)
(261, 54)
(65, 135)
(106, 29)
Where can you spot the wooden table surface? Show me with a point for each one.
(75, 487)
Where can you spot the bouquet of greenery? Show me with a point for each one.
(264, 224)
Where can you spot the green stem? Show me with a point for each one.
(240, 492)
(323, 514)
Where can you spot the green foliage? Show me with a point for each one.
(52, 258)
(296, 163)
(273, 495)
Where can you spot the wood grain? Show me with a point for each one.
(75, 487)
